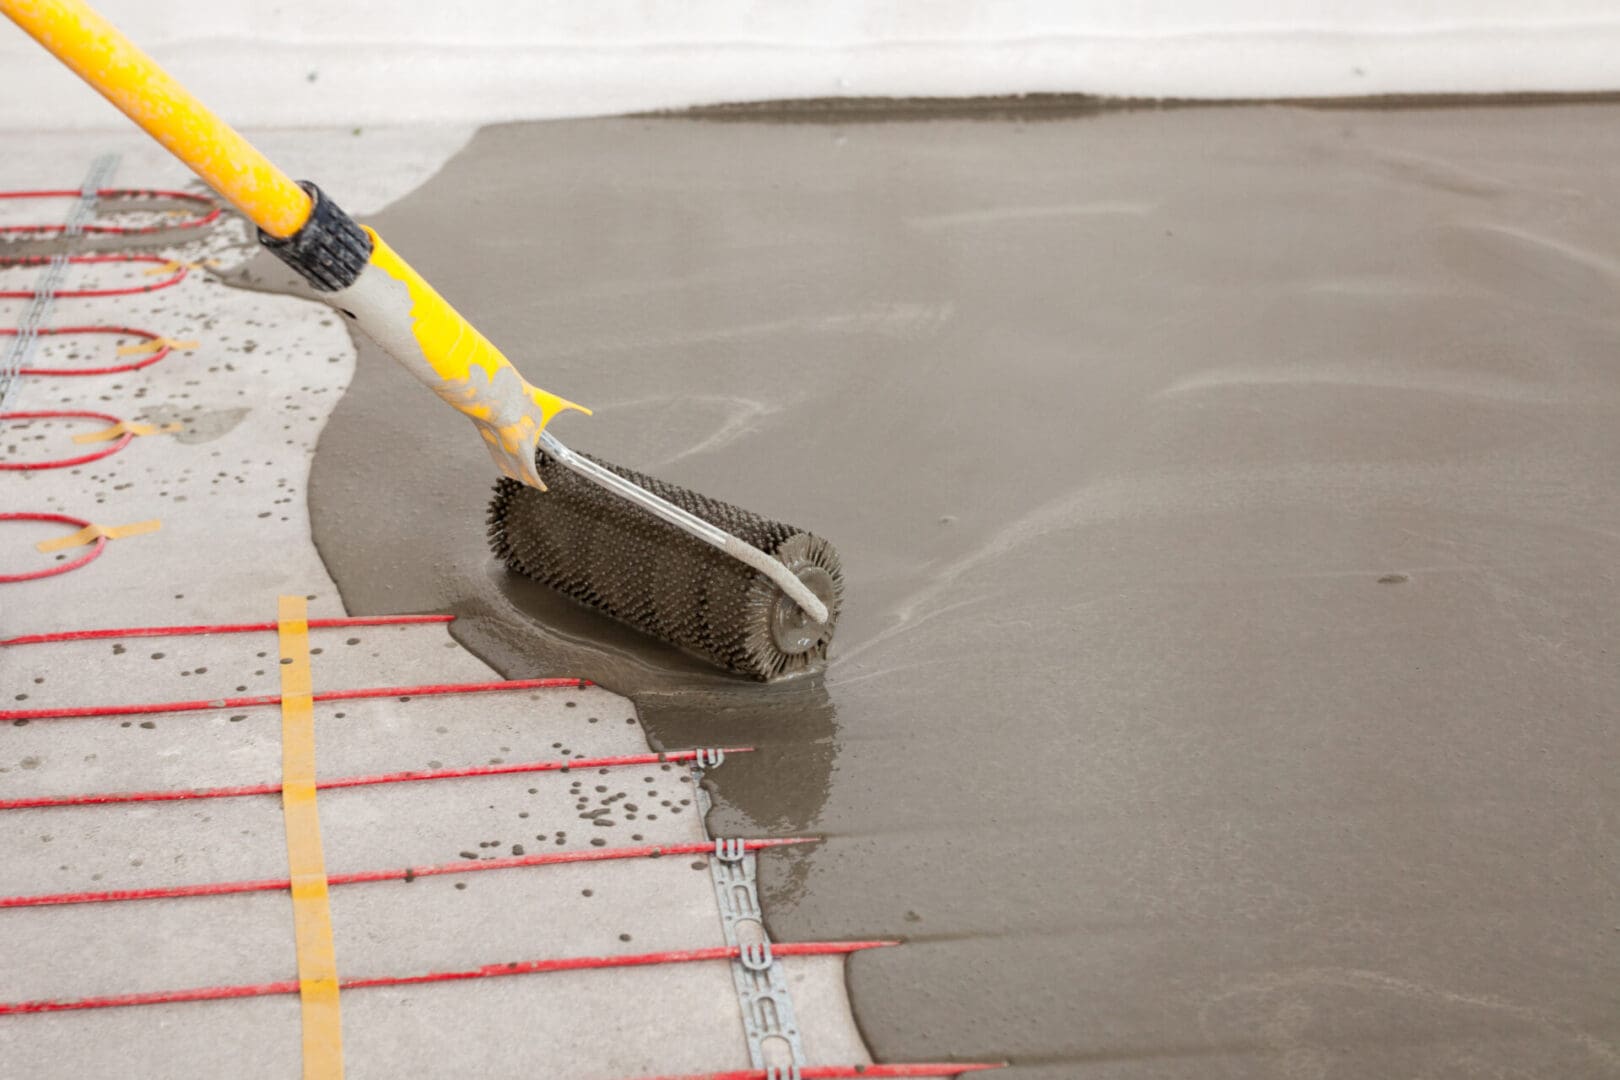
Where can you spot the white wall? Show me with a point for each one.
(301, 62)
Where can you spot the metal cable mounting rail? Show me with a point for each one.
(769, 1021)
(101, 171)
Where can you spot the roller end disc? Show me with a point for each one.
(781, 638)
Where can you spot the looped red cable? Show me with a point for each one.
(62, 568)
(180, 272)
(209, 214)
(107, 369)
(67, 414)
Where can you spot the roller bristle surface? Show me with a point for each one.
(613, 556)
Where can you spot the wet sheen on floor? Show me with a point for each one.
(1228, 502)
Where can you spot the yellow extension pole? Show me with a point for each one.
(112, 64)
(352, 269)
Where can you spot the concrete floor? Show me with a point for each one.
(1228, 500)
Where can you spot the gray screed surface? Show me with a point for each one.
(1228, 507)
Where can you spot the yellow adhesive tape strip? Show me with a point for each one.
(141, 348)
(124, 427)
(306, 864)
(91, 533)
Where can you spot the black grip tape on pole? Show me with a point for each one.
(330, 250)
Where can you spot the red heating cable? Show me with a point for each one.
(37, 802)
(67, 414)
(81, 260)
(231, 888)
(220, 628)
(60, 568)
(839, 1072)
(488, 971)
(196, 221)
(275, 699)
(108, 369)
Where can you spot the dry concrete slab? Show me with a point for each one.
(229, 488)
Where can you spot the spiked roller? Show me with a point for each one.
(612, 555)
